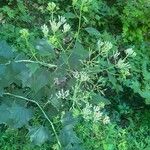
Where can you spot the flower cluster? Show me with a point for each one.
(24, 33)
(62, 94)
(45, 30)
(82, 76)
(129, 52)
(55, 25)
(116, 55)
(106, 120)
(87, 112)
(52, 7)
(104, 47)
(123, 66)
(94, 114)
(66, 28)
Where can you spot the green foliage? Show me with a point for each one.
(38, 135)
(15, 116)
(71, 82)
(136, 24)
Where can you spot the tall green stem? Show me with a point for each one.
(79, 24)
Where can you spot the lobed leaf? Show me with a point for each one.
(39, 135)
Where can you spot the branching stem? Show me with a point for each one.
(45, 115)
(35, 62)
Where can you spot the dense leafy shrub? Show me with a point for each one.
(136, 25)
(70, 78)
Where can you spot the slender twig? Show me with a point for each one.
(35, 62)
(45, 115)
(80, 17)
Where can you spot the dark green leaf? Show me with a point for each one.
(4, 113)
(44, 48)
(92, 31)
(39, 135)
(98, 99)
(19, 116)
(33, 67)
(78, 54)
(1, 91)
(15, 116)
(68, 136)
(37, 81)
(68, 119)
(6, 52)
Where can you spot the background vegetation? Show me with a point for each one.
(74, 74)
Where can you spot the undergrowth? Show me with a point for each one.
(74, 75)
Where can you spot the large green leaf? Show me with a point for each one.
(68, 137)
(4, 113)
(6, 52)
(15, 116)
(39, 135)
(33, 67)
(80, 51)
(44, 48)
(1, 91)
(78, 54)
(37, 81)
(68, 119)
(2, 78)
(10, 73)
(19, 116)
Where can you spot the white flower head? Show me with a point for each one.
(45, 30)
(122, 65)
(56, 25)
(116, 55)
(102, 105)
(96, 108)
(97, 115)
(107, 46)
(84, 76)
(51, 6)
(104, 47)
(87, 112)
(66, 28)
(106, 120)
(76, 74)
(100, 44)
(130, 52)
(24, 33)
(62, 94)
(61, 19)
